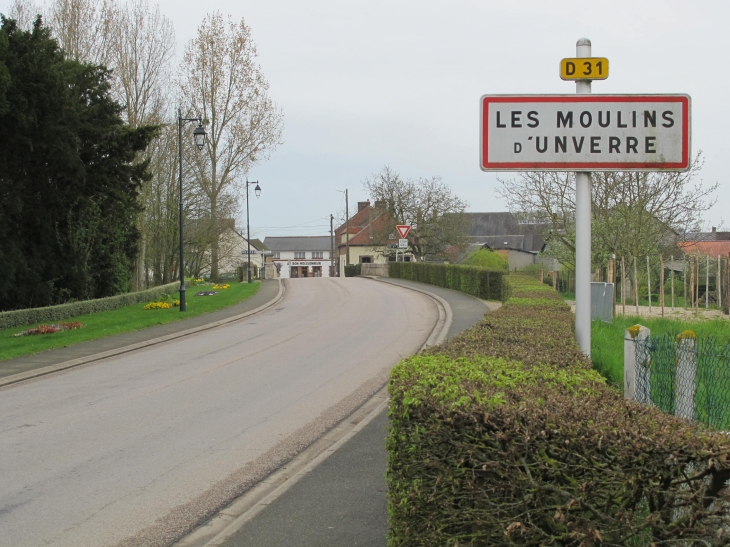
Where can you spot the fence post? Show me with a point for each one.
(672, 278)
(648, 281)
(686, 374)
(632, 335)
(623, 285)
(636, 287)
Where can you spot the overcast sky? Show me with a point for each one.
(364, 84)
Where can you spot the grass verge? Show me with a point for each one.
(126, 319)
(607, 339)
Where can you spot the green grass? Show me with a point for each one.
(127, 319)
(607, 339)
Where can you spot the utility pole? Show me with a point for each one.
(332, 246)
(347, 229)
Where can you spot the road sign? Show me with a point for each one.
(584, 68)
(585, 133)
(402, 243)
(403, 229)
(391, 245)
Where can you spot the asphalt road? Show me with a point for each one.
(137, 449)
(342, 501)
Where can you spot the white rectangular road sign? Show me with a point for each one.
(402, 243)
(585, 132)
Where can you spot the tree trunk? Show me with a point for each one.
(214, 239)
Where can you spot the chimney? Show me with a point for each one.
(714, 229)
(380, 204)
(362, 205)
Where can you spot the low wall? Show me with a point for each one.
(381, 270)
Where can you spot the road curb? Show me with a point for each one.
(29, 375)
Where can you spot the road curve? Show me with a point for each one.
(137, 449)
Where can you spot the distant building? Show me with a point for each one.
(301, 256)
(520, 244)
(368, 227)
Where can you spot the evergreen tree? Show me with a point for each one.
(68, 183)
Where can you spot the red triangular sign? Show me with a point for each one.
(403, 230)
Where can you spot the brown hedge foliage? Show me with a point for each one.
(505, 436)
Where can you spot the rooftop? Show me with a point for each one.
(298, 243)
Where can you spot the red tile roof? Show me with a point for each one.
(705, 248)
(360, 226)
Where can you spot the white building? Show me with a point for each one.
(302, 256)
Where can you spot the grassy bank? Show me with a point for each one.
(607, 339)
(126, 319)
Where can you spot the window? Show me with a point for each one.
(275, 255)
(366, 260)
(300, 255)
(317, 254)
(331, 255)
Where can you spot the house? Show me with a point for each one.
(519, 243)
(232, 252)
(301, 256)
(368, 237)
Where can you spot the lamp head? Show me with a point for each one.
(199, 136)
(257, 190)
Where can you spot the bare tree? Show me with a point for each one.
(435, 212)
(83, 28)
(633, 213)
(221, 81)
(141, 49)
(25, 13)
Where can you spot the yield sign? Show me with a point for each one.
(403, 230)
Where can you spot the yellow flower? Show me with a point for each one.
(157, 306)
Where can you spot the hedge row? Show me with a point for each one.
(479, 282)
(353, 270)
(9, 319)
(506, 436)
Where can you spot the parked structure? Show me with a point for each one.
(301, 256)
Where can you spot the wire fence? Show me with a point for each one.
(685, 376)
(689, 282)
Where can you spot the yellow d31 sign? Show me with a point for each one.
(584, 68)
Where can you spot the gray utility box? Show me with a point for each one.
(602, 297)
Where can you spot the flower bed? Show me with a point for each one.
(50, 329)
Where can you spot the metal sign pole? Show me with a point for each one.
(583, 232)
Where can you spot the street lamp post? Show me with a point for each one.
(199, 137)
(248, 227)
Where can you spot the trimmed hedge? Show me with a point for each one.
(479, 282)
(353, 270)
(505, 436)
(9, 319)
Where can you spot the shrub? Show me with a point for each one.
(479, 282)
(505, 436)
(353, 270)
(15, 318)
(485, 258)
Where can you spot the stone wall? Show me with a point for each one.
(381, 270)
